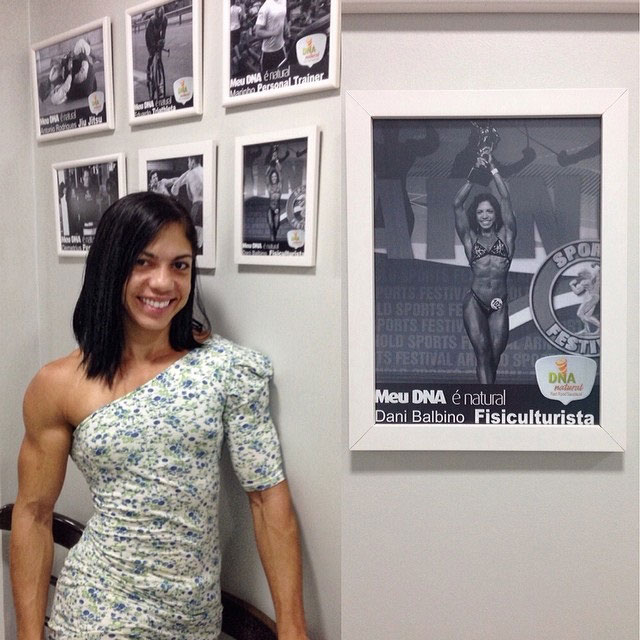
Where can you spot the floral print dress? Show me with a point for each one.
(148, 563)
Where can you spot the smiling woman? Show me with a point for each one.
(487, 230)
(132, 232)
(160, 281)
(143, 407)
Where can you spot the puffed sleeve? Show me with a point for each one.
(250, 433)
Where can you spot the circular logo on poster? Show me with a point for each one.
(564, 298)
(296, 207)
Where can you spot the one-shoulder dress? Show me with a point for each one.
(148, 563)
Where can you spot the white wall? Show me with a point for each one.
(290, 314)
(495, 546)
(18, 284)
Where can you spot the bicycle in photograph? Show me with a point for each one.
(156, 81)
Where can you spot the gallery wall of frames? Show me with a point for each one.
(277, 171)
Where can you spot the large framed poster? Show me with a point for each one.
(186, 172)
(72, 82)
(83, 191)
(164, 60)
(487, 247)
(278, 48)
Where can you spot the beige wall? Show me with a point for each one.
(495, 546)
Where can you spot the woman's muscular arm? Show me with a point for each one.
(42, 464)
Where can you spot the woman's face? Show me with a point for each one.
(160, 281)
(273, 177)
(485, 215)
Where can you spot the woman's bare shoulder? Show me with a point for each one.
(62, 369)
(54, 380)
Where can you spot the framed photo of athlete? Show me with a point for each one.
(186, 172)
(276, 193)
(73, 82)
(164, 60)
(478, 308)
(83, 190)
(278, 48)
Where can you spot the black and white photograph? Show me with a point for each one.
(275, 48)
(83, 190)
(487, 264)
(276, 194)
(164, 53)
(187, 173)
(483, 252)
(73, 85)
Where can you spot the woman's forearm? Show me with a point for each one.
(507, 211)
(462, 194)
(460, 218)
(278, 543)
(500, 184)
(31, 559)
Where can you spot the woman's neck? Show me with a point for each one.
(145, 346)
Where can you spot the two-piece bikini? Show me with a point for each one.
(498, 248)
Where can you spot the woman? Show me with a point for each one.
(142, 407)
(274, 189)
(487, 230)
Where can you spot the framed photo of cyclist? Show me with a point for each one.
(276, 191)
(164, 60)
(278, 48)
(186, 172)
(73, 82)
(487, 244)
(83, 190)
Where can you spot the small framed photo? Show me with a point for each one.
(164, 60)
(83, 190)
(186, 172)
(73, 83)
(487, 235)
(276, 195)
(278, 48)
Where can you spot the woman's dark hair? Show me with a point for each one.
(471, 211)
(124, 230)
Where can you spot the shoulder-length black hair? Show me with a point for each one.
(124, 230)
(471, 211)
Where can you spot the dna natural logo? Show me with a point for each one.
(566, 378)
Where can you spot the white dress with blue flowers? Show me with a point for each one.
(148, 563)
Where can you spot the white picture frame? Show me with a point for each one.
(311, 53)
(362, 109)
(172, 87)
(72, 82)
(276, 225)
(178, 175)
(83, 190)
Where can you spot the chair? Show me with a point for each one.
(243, 621)
(240, 620)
